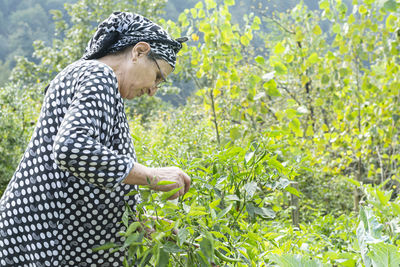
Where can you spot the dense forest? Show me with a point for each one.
(289, 128)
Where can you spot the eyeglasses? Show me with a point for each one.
(164, 80)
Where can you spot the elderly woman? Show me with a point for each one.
(69, 191)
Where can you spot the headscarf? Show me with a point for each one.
(123, 29)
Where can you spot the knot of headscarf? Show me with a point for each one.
(123, 29)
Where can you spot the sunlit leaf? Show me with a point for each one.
(390, 5)
(229, 2)
(182, 236)
(391, 22)
(250, 189)
(165, 182)
(104, 247)
(170, 193)
(382, 254)
(260, 60)
(288, 260)
(317, 30)
(266, 213)
(170, 247)
(292, 191)
(280, 68)
(224, 211)
(279, 48)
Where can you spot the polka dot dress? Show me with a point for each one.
(67, 195)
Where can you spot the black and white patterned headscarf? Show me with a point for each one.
(123, 29)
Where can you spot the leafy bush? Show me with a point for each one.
(313, 117)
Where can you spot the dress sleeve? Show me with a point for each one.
(79, 146)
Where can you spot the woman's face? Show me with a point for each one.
(141, 73)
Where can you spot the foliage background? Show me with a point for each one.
(279, 103)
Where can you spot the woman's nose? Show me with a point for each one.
(153, 90)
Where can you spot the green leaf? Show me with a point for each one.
(201, 13)
(165, 182)
(244, 40)
(202, 261)
(182, 236)
(342, 8)
(390, 6)
(104, 247)
(132, 193)
(145, 258)
(271, 88)
(313, 58)
(249, 155)
(254, 79)
(250, 209)
(350, 20)
(183, 19)
(223, 212)
(391, 22)
(256, 23)
(383, 196)
(205, 27)
(354, 182)
(163, 258)
(207, 247)
(382, 254)
(362, 9)
(125, 217)
(325, 79)
(295, 127)
(229, 2)
(289, 260)
(396, 208)
(170, 247)
(132, 228)
(250, 189)
(199, 5)
(369, 231)
(292, 191)
(260, 60)
(170, 193)
(232, 198)
(219, 235)
(324, 4)
(125, 262)
(197, 213)
(336, 28)
(282, 183)
(215, 203)
(132, 239)
(317, 30)
(266, 213)
(279, 48)
(234, 133)
(280, 68)
(210, 4)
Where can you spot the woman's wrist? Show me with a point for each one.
(141, 175)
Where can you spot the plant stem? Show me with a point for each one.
(215, 115)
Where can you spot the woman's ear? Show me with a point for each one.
(141, 48)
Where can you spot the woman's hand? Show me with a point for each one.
(142, 175)
(171, 174)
